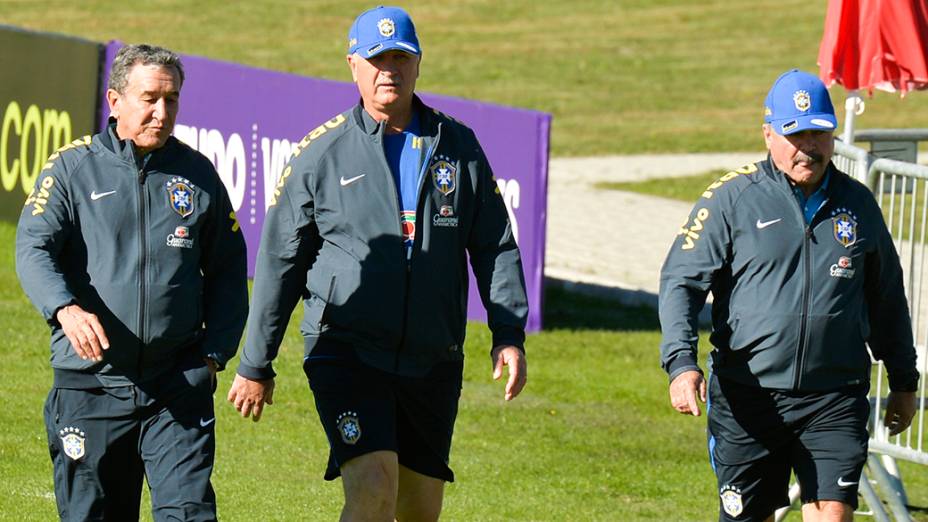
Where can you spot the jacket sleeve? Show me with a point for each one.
(888, 313)
(44, 228)
(225, 281)
(287, 248)
(494, 257)
(701, 249)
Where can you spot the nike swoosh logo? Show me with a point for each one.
(843, 484)
(347, 181)
(764, 224)
(94, 196)
(204, 423)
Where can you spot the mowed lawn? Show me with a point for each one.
(619, 76)
(591, 438)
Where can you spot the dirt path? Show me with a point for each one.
(617, 239)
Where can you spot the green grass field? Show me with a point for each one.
(683, 188)
(591, 438)
(897, 210)
(620, 76)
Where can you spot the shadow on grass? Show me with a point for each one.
(575, 311)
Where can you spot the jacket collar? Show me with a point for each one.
(779, 177)
(371, 126)
(125, 149)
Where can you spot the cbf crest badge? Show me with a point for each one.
(72, 441)
(349, 427)
(731, 500)
(845, 227)
(180, 196)
(802, 101)
(444, 175)
(386, 27)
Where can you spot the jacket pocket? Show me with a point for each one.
(314, 308)
(764, 329)
(836, 354)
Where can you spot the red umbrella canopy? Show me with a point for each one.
(880, 44)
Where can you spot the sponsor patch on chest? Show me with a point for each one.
(842, 268)
(180, 238)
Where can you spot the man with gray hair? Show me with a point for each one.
(129, 248)
(373, 223)
(805, 279)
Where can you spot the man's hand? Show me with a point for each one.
(684, 390)
(249, 396)
(213, 368)
(900, 409)
(84, 331)
(212, 365)
(508, 355)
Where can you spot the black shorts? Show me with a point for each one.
(363, 409)
(757, 436)
(104, 441)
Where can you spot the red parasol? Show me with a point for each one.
(874, 44)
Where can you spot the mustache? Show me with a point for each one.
(808, 157)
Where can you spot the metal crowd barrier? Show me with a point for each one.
(852, 160)
(901, 189)
(897, 144)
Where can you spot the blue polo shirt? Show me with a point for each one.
(403, 152)
(813, 203)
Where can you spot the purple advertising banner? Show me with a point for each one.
(247, 121)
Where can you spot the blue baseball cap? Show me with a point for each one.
(383, 29)
(799, 101)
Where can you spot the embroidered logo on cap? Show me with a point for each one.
(386, 27)
(802, 100)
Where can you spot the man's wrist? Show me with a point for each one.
(214, 362)
(905, 382)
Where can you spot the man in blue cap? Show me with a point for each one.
(804, 275)
(372, 223)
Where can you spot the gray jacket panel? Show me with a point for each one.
(332, 236)
(154, 251)
(794, 305)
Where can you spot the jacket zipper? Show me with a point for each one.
(422, 169)
(806, 293)
(396, 213)
(143, 243)
(806, 298)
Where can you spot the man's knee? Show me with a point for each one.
(827, 511)
(411, 508)
(419, 498)
(370, 483)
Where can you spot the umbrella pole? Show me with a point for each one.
(853, 106)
